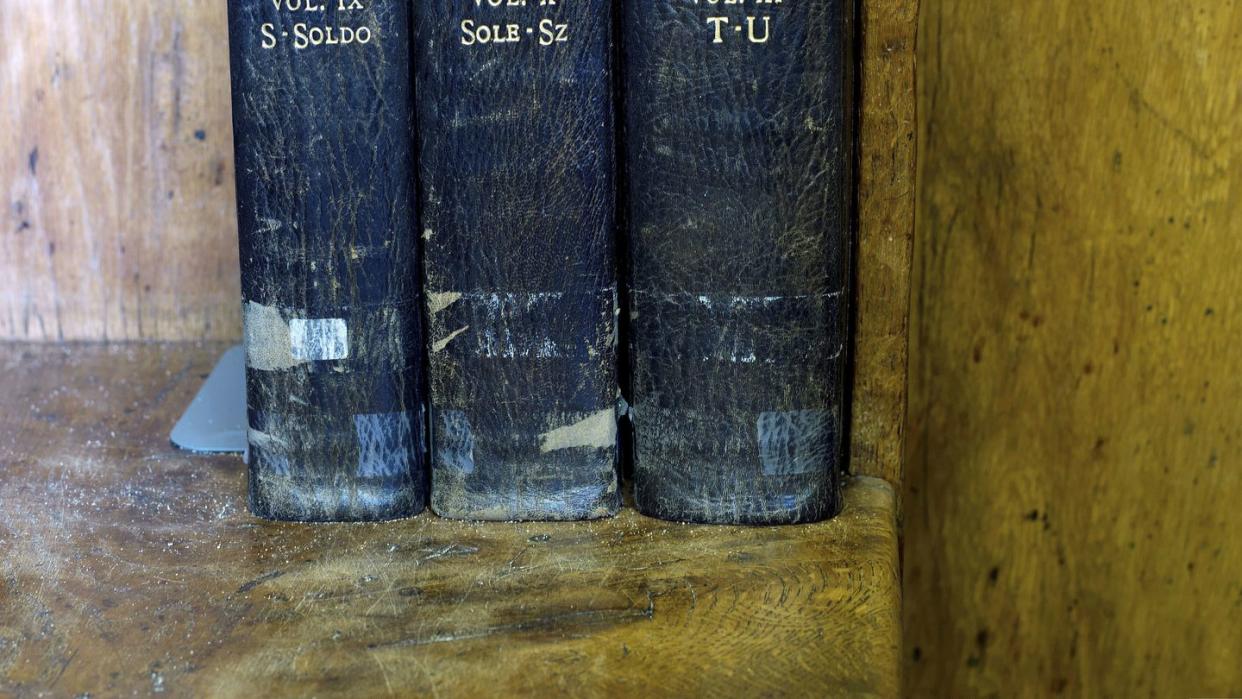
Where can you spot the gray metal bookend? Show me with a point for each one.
(215, 421)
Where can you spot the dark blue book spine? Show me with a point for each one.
(517, 204)
(738, 240)
(323, 128)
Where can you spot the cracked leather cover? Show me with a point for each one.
(517, 203)
(735, 152)
(323, 119)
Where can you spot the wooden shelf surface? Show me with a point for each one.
(129, 567)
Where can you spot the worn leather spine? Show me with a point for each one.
(737, 183)
(323, 121)
(517, 203)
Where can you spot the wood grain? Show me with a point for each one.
(116, 174)
(129, 568)
(886, 190)
(1071, 510)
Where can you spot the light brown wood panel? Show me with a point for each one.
(127, 567)
(886, 193)
(116, 171)
(1072, 510)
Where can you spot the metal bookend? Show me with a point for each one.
(215, 421)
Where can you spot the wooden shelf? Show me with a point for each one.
(129, 567)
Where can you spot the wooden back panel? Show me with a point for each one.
(116, 171)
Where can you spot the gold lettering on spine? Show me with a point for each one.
(752, 28)
(300, 28)
(544, 31)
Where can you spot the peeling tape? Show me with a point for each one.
(267, 339)
(598, 431)
(273, 344)
(323, 340)
(441, 345)
(438, 301)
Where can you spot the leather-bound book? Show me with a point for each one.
(323, 125)
(517, 181)
(737, 179)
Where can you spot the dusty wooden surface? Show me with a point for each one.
(127, 567)
(1071, 515)
(886, 190)
(116, 171)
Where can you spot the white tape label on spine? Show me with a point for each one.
(319, 340)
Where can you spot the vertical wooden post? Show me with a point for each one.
(886, 189)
